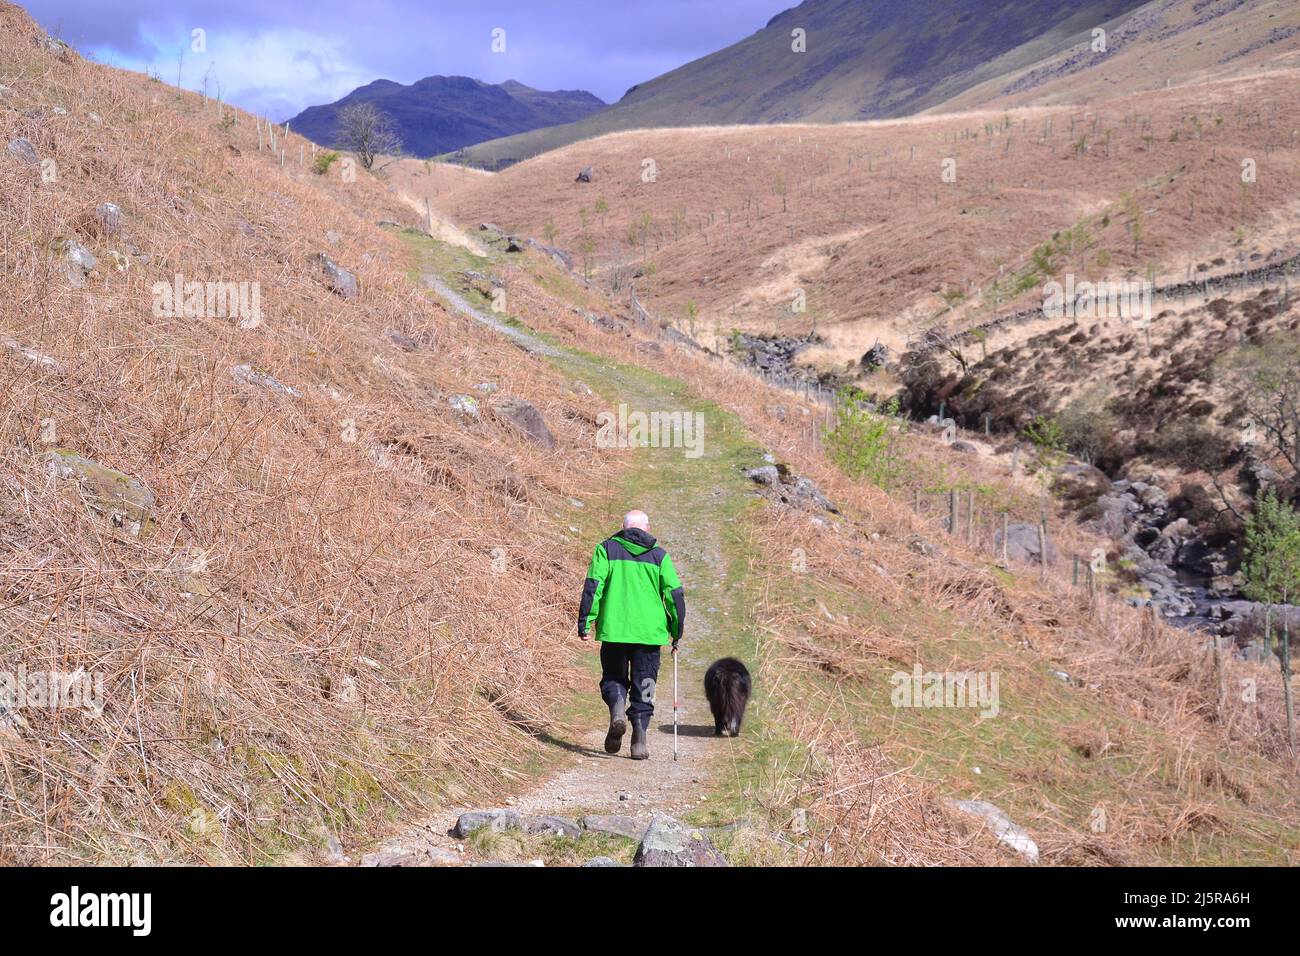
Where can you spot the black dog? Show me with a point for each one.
(726, 684)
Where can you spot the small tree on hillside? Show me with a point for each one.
(1087, 424)
(1195, 447)
(369, 132)
(866, 444)
(1272, 572)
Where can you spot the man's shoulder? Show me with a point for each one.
(615, 550)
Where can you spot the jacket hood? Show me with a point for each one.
(635, 540)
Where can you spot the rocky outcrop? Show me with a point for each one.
(119, 497)
(558, 256)
(494, 820)
(22, 151)
(339, 280)
(552, 826)
(669, 842)
(789, 488)
(401, 340)
(614, 826)
(247, 375)
(524, 417)
(78, 260)
(40, 359)
(107, 220)
(1022, 544)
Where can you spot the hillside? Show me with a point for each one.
(1162, 43)
(439, 114)
(860, 59)
(323, 553)
(737, 220)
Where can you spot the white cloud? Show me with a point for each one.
(275, 73)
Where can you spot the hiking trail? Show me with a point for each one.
(692, 503)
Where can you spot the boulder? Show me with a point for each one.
(119, 497)
(1022, 543)
(467, 405)
(108, 219)
(39, 359)
(412, 854)
(401, 340)
(552, 826)
(921, 546)
(247, 375)
(614, 826)
(790, 488)
(22, 150)
(80, 260)
(495, 820)
(524, 417)
(340, 280)
(1116, 511)
(601, 861)
(1000, 825)
(669, 842)
(558, 256)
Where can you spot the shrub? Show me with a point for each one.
(1087, 425)
(324, 161)
(866, 444)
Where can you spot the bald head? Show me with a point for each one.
(636, 519)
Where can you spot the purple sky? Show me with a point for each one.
(276, 57)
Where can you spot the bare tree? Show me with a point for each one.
(1267, 379)
(936, 339)
(369, 132)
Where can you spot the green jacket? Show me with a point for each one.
(632, 594)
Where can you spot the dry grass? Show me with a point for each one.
(318, 628)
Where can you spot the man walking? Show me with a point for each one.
(634, 601)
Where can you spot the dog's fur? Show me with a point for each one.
(727, 686)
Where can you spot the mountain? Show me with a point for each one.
(439, 114)
(863, 59)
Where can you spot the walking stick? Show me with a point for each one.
(674, 705)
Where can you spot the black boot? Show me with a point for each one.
(617, 727)
(639, 749)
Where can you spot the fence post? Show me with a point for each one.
(952, 511)
(1074, 577)
(970, 517)
(1042, 547)
(1006, 563)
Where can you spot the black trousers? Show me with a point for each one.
(629, 672)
